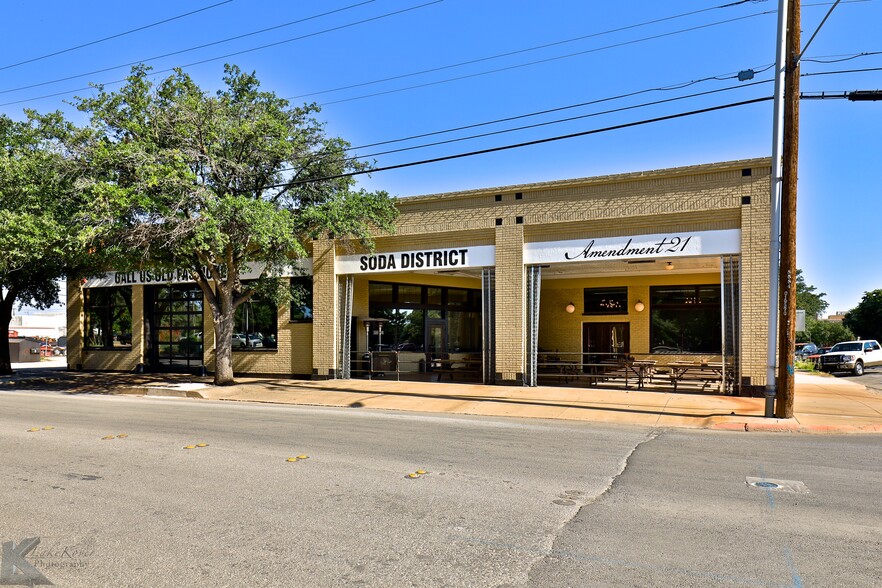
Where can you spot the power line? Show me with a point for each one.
(526, 143)
(848, 57)
(549, 59)
(841, 71)
(518, 51)
(116, 36)
(194, 48)
(562, 120)
(669, 87)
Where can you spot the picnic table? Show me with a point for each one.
(705, 372)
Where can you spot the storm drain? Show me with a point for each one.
(780, 485)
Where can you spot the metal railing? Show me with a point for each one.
(416, 365)
(640, 371)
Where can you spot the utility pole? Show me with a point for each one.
(790, 155)
(775, 205)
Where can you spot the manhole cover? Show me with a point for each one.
(781, 485)
(765, 485)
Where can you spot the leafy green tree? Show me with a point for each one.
(826, 333)
(866, 318)
(36, 211)
(808, 299)
(215, 184)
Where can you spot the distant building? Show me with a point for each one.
(838, 317)
(49, 324)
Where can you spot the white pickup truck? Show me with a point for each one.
(852, 356)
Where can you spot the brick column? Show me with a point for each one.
(74, 324)
(139, 318)
(510, 309)
(324, 312)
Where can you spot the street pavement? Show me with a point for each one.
(504, 502)
(872, 378)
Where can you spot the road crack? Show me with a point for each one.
(553, 537)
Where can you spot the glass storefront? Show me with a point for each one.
(447, 320)
(175, 327)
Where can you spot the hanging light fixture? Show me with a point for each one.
(669, 265)
(571, 308)
(639, 306)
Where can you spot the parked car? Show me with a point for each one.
(803, 350)
(852, 356)
(239, 340)
(255, 340)
(816, 357)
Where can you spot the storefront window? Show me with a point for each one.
(410, 294)
(108, 313)
(606, 300)
(301, 306)
(407, 317)
(255, 325)
(685, 319)
(464, 331)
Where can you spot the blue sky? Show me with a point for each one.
(839, 205)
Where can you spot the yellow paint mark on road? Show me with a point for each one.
(48, 428)
(122, 436)
(302, 457)
(292, 459)
(422, 472)
(412, 476)
(202, 445)
(189, 447)
(108, 437)
(33, 430)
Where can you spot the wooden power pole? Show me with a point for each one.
(790, 156)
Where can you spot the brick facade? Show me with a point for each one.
(732, 195)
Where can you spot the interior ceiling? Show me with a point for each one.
(594, 269)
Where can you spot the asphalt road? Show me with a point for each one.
(504, 502)
(872, 378)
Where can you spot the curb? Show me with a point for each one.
(794, 427)
(154, 391)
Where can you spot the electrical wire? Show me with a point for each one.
(519, 51)
(844, 58)
(669, 87)
(561, 120)
(194, 48)
(116, 36)
(549, 59)
(525, 144)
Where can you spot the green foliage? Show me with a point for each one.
(804, 365)
(807, 299)
(826, 333)
(216, 183)
(866, 318)
(37, 208)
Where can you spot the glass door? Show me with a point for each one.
(436, 340)
(175, 328)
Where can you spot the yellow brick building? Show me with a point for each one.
(518, 285)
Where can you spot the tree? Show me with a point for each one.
(213, 184)
(826, 333)
(866, 318)
(36, 209)
(806, 299)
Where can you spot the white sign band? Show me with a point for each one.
(664, 245)
(422, 260)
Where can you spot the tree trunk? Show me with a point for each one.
(223, 339)
(5, 317)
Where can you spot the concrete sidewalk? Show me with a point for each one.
(823, 404)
